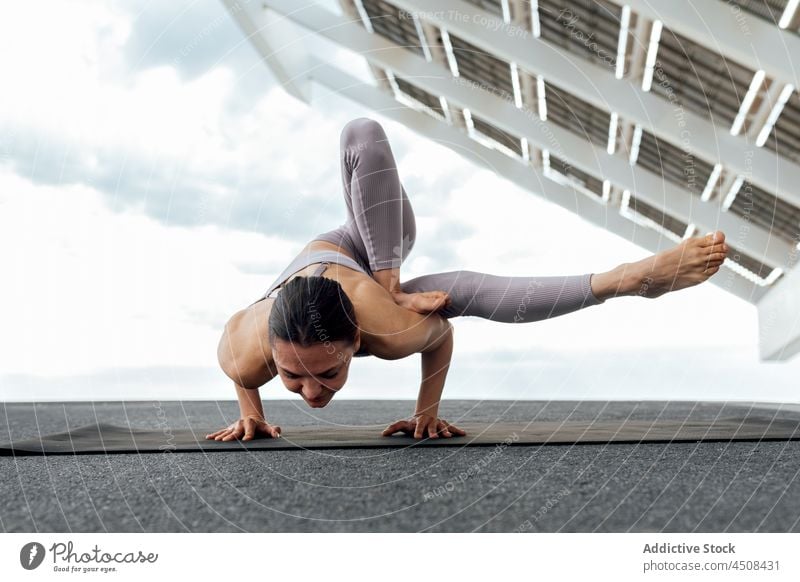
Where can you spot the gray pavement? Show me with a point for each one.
(678, 487)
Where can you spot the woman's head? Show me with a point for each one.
(313, 334)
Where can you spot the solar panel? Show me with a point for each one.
(575, 175)
(673, 163)
(493, 6)
(750, 263)
(481, 67)
(394, 24)
(588, 28)
(785, 136)
(767, 210)
(699, 79)
(577, 115)
(512, 142)
(769, 10)
(658, 216)
(419, 95)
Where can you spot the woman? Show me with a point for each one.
(341, 297)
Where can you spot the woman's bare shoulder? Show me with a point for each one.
(244, 346)
(392, 331)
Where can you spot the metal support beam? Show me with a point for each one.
(779, 319)
(598, 86)
(264, 30)
(767, 100)
(505, 115)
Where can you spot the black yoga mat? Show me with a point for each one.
(107, 438)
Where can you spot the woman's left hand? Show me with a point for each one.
(422, 426)
(423, 302)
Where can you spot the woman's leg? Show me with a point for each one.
(380, 228)
(507, 299)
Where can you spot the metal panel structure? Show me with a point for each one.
(574, 175)
(769, 10)
(784, 137)
(575, 114)
(587, 28)
(493, 6)
(481, 67)
(393, 23)
(428, 100)
(772, 11)
(555, 97)
(767, 210)
(657, 216)
(681, 167)
(509, 141)
(700, 79)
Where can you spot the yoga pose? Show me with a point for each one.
(342, 297)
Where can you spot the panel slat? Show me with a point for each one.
(479, 66)
(700, 80)
(394, 24)
(768, 211)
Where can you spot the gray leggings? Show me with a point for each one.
(380, 232)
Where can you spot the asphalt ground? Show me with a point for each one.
(648, 487)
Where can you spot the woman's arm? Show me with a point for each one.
(251, 422)
(426, 422)
(395, 333)
(435, 364)
(249, 402)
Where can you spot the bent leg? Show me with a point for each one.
(380, 217)
(507, 299)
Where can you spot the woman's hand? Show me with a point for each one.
(423, 302)
(422, 426)
(246, 428)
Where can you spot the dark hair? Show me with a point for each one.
(309, 310)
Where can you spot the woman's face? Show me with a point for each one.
(315, 372)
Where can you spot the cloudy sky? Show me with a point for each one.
(155, 178)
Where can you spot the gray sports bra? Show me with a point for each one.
(305, 259)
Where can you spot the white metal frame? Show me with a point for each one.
(504, 114)
(284, 26)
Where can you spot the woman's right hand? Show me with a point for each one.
(422, 302)
(246, 428)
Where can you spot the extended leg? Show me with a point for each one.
(523, 299)
(507, 299)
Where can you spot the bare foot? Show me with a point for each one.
(689, 263)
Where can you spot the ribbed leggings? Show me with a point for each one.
(380, 232)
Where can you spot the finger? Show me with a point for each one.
(234, 434)
(275, 431)
(222, 434)
(443, 429)
(432, 430)
(213, 434)
(455, 430)
(392, 428)
(419, 430)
